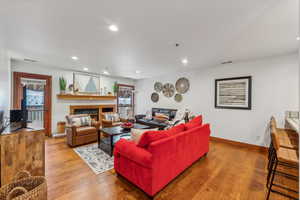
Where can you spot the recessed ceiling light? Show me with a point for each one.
(105, 72)
(137, 71)
(113, 28)
(29, 60)
(226, 62)
(86, 69)
(74, 57)
(184, 61)
(298, 38)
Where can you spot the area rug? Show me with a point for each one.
(95, 158)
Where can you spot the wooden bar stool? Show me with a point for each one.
(283, 157)
(283, 142)
(287, 138)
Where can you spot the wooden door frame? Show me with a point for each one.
(17, 93)
(133, 103)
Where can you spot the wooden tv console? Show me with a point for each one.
(23, 149)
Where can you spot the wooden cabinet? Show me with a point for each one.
(21, 150)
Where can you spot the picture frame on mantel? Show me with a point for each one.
(233, 93)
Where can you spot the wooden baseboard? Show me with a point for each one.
(240, 144)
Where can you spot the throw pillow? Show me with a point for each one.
(107, 116)
(175, 123)
(151, 136)
(76, 121)
(136, 134)
(112, 117)
(115, 117)
(194, 122)
(160, 119)
(162, 115)
(86, 121)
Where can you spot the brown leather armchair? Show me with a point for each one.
(109, 123)
(78, 135)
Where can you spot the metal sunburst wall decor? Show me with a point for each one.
(168, 90)
(182, 85)
(178, 98)
(158, 86)
(154, 97)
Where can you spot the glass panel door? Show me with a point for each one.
(35, 90)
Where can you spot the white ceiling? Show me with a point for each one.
(209, 32)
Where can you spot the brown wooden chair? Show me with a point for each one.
(79, 135)
(110, 123)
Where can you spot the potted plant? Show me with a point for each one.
(115, 88)
(62, 85)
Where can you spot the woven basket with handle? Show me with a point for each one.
(25, 187)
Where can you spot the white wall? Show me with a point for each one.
(60, 108)
(4, 80)
(275, 89)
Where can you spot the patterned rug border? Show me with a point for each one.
(90, 166)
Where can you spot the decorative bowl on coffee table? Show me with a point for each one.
(127, 126)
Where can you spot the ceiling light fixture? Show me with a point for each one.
(226, 62)
(137, 71)
(86, 69)
(298, 38)
(29, 60)
(113, 28)
(184, 61)
(105, 72)
(74, 57)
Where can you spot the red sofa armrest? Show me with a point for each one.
(132, 152)
(205, 129)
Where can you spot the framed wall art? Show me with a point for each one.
(84, 83)
(233, 93)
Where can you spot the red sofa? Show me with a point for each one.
(154, 166)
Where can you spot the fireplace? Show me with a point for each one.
(108, 109)
(94, 111)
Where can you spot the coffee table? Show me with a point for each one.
(114, 134)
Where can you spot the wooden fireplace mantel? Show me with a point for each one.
(84, 97)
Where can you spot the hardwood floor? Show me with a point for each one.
(227, 173)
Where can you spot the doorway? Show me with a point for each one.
(38, 98)
(125, 101)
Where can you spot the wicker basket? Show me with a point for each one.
(25, 187)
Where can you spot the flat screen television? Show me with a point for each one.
(15, 116)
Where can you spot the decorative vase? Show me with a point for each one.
(186, 116)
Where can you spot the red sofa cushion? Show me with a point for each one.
(176, 129)
(197, 121)
(151, 136)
